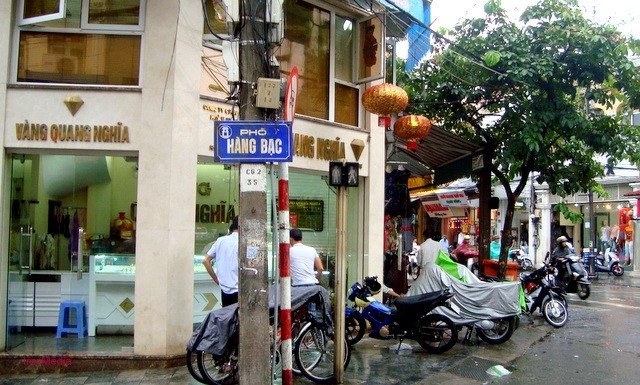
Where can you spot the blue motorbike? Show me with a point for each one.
(410, 319)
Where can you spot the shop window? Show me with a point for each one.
(38, 11)
(306, 46)
(370, 58)
(346, 104)
(101, 14)
(344, 42)
(80, 42)
(320, 43)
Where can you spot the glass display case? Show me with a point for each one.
(112, 291)
(114, 264)
(107, 263)
(198, 267)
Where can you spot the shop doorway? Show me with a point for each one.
(61, 210)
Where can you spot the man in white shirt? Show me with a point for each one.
(429, 249)
(225, 253)
(305, 263)
(444, 243)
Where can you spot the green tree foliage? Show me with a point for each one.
(524, 90)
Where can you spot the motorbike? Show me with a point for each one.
(520, 255)
(609, 263)
(541, 294)
(435, 333)
(214, 345)
(572, 276)
(488, 309)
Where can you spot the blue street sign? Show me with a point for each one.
(252, 141)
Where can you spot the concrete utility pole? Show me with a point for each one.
(254, 355)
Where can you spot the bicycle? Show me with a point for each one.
(214, 345)
(314, 351)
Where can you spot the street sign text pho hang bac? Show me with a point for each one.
(252, 141)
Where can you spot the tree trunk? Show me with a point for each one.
(506, 231)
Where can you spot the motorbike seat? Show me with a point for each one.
(413, 301)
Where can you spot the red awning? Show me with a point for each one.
(633, 194)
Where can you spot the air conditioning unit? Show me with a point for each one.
(58, 63)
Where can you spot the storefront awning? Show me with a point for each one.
(443, 154)
(633, 194)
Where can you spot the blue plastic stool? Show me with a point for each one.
(80, 327)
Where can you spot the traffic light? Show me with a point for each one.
(344, 174)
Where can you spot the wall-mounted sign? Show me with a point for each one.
(453, 199)
(291, 95)
(307, 214)
(436, 210)
(308, 146)
(59, 133)
(252, 141)
(477, 162)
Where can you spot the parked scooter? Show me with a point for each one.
(520, 255)
(609, 263)
(572, 276)
(435, 333)
(542, 295)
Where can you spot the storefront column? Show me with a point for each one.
(167, 177)
(374, 202)
(5, 35)
(544, 234)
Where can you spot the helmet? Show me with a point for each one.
(562, 239)
(467, 237)
(373, 285)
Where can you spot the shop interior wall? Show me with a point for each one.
(96, 205)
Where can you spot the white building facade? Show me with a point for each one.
(107, 127)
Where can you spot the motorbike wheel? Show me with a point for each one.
(527, 264)
(501, 332)
(436, 333)
(218, 371)
(474, 268)
(617, 270)
(413, 270)
(583, 291)
(555, 312)
(356, 326)
(314, 354)
(192, 365)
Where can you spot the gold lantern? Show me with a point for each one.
(384, 100)
(412, 128)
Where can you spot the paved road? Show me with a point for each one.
(599, 345)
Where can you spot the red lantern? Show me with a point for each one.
(412, 128)
(385, 99)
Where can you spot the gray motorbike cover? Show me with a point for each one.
(214, 333)
(473, 300)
